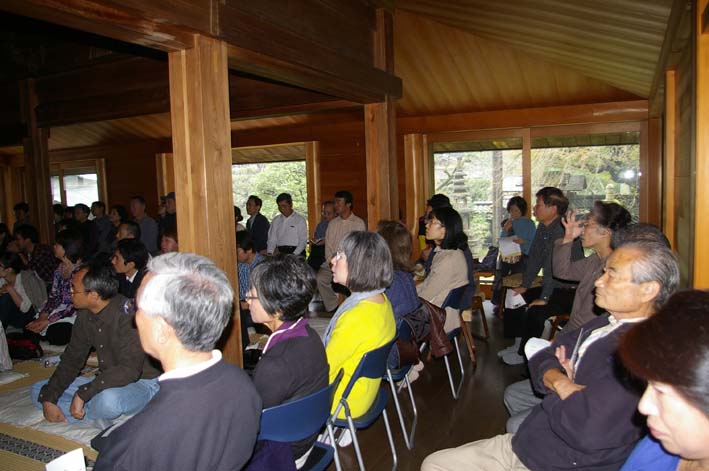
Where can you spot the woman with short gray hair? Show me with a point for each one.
(365, 320)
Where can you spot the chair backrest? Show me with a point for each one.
(372, 365)
(403, 330)
(299, 419)
(454, 297)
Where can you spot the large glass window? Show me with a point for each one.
(589, 168)
(267, 181)
(479, 177)
(73, 187)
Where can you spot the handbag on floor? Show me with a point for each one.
(23, 347)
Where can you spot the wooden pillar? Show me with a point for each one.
(527, 167)
(201, 139)
(312, 170)
(701, 198)
(415, 168)
(380, 135)
(669, 220)
(39, 194)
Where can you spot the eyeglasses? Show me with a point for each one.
(339, 255)
(250, 297)
(73, 291)
(434, 221)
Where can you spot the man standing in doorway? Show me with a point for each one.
(257, 223)
(288, 232)
(345, 222)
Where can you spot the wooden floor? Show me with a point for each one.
(444, 422)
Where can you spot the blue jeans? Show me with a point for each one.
(109, 403)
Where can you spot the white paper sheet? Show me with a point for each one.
(534, 345)
(514, 300)
(509, 248)
(72, 461)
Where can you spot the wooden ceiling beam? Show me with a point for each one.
(137, 86)
(324, 56)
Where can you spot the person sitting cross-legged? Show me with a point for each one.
(206, 414)
(126, 380)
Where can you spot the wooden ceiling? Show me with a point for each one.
(459, 56)
(276, 153)
(615, 41)
(609, 139)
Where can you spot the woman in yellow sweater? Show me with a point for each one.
(365, 320)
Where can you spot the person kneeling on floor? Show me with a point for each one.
(126, 379)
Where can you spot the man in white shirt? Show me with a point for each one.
(288, 232)
(345, 222)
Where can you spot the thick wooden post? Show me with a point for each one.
(701, 197)
(380, 135)
(415, 158)
(201, 139)
(39, 194)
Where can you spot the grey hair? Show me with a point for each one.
(369, 264)
(192, 295)
(657, 263)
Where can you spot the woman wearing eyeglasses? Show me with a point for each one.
(449, 269)
(293, 364)
(670, 351)
(365, 320)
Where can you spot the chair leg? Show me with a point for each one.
(468, 340)
(391, 440)
(450, 376)
(460, 364)
(336, 455)
(415, 411)
(355, 442)
(409, 440)
(484, 318)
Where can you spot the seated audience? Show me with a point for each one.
(128, 230)
(129, 261)
(148, 226)
(168, 240)
(117, 216)
(522, 229)
(169, 220)
(317, 245)
(125, 381)
(56, 318)
(206, 414)
(587, 419)
(237, 220)
(103, 227)
(293, 363)
(402, 292)
(449, 268)
(670, 352)
(5, 237)
(22, 215)
(288, 232)
(87, 228)
(596, 233)
(247, 258)
(37, 257)
(365, 320)
(23, 293)
(58, 211)
(554, 296)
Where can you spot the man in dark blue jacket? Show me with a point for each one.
(587, 419)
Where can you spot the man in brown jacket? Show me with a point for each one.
(126, 379)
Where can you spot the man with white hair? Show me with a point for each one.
(587, 418)
(206, 415)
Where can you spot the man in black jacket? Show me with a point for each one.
(126, 380)
(129, 261)
(587, 419)
(257, 224)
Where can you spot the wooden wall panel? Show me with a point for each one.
(700, 277)
(684, 164)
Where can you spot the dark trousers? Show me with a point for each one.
(560, 302)
(10, 314)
